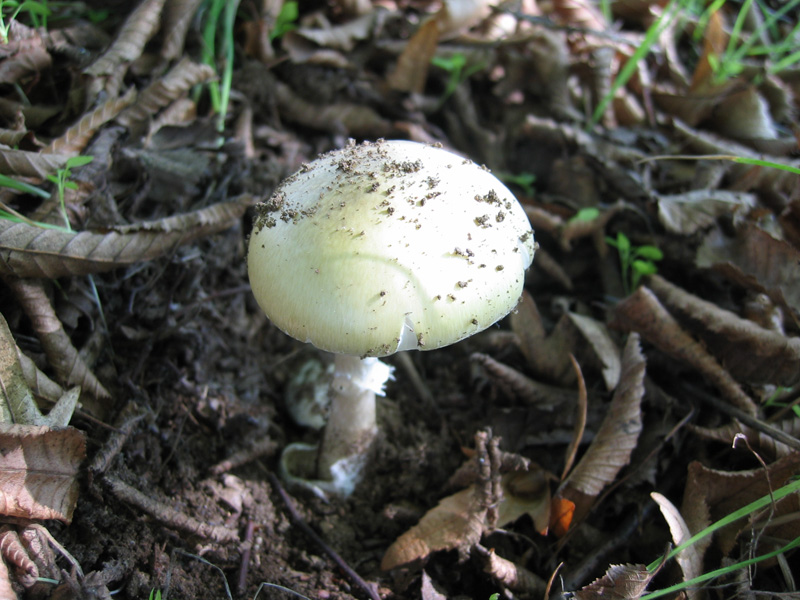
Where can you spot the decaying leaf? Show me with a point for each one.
(765, 444)
(689, 559)
(689, 212)
(174, 84)
(617, 437)
(429, 590)
(12, 550)
(17, 404)
(748, 351)
(509, 574)
(526, 493)
(74, 140)
(642, 312)
(176, 19)
(30, 251)
(712, 494)
(30, 164)
(457, 522)
(756, 260)
(129, 42)
(411, 71)
(358, 119)
(38, 475)
(521, 387)
(621, 582)
(68, 364)
(574, 334)
(6, 590)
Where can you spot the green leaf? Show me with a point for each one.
(450, 64)
(644, 267)
(285, 20)
(623, 244)
(586, 215)
(649, 252)
(78, 161)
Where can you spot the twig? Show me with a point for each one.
(247, 551)
(168, 515)
(298, 520)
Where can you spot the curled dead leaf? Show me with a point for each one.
(617, 437)
(748, 351)
(30, 251)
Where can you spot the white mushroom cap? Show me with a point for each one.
(388, 246)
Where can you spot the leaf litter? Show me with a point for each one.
(130, 323)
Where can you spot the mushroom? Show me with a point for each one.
(377, 248)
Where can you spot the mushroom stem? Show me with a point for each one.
(351, 426)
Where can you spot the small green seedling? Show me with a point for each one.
(61, 180)
(155, 594)
(585, 215)
(459, 72)
(523, 180)
(635, 261)
(37, 11)
(285, 21)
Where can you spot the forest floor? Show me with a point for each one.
(646, 387)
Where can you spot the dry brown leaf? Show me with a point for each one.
(74, 140)
(617, 437)
(41, 385)
(38, 475)
(689, 559)
(30, 164)
(356, 119)
(747, 351)
(28, 61)
(457, 522)
(29, 251)
(67, 363)
(715, 40)
(129, 42)
(411, 71)
(516, 385)
(595, 348)
(176, 18)
(12, 550)
(642, 312)
(688, 213)
(711, 495)
(743, 114)
(16, 400)
(342, 37)
(526, 492)
(429, 590)
(762, 442)
(511, 575)
(580, 13)
(6, 591)
(621, 582)
(161, 92)
(756, 260)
